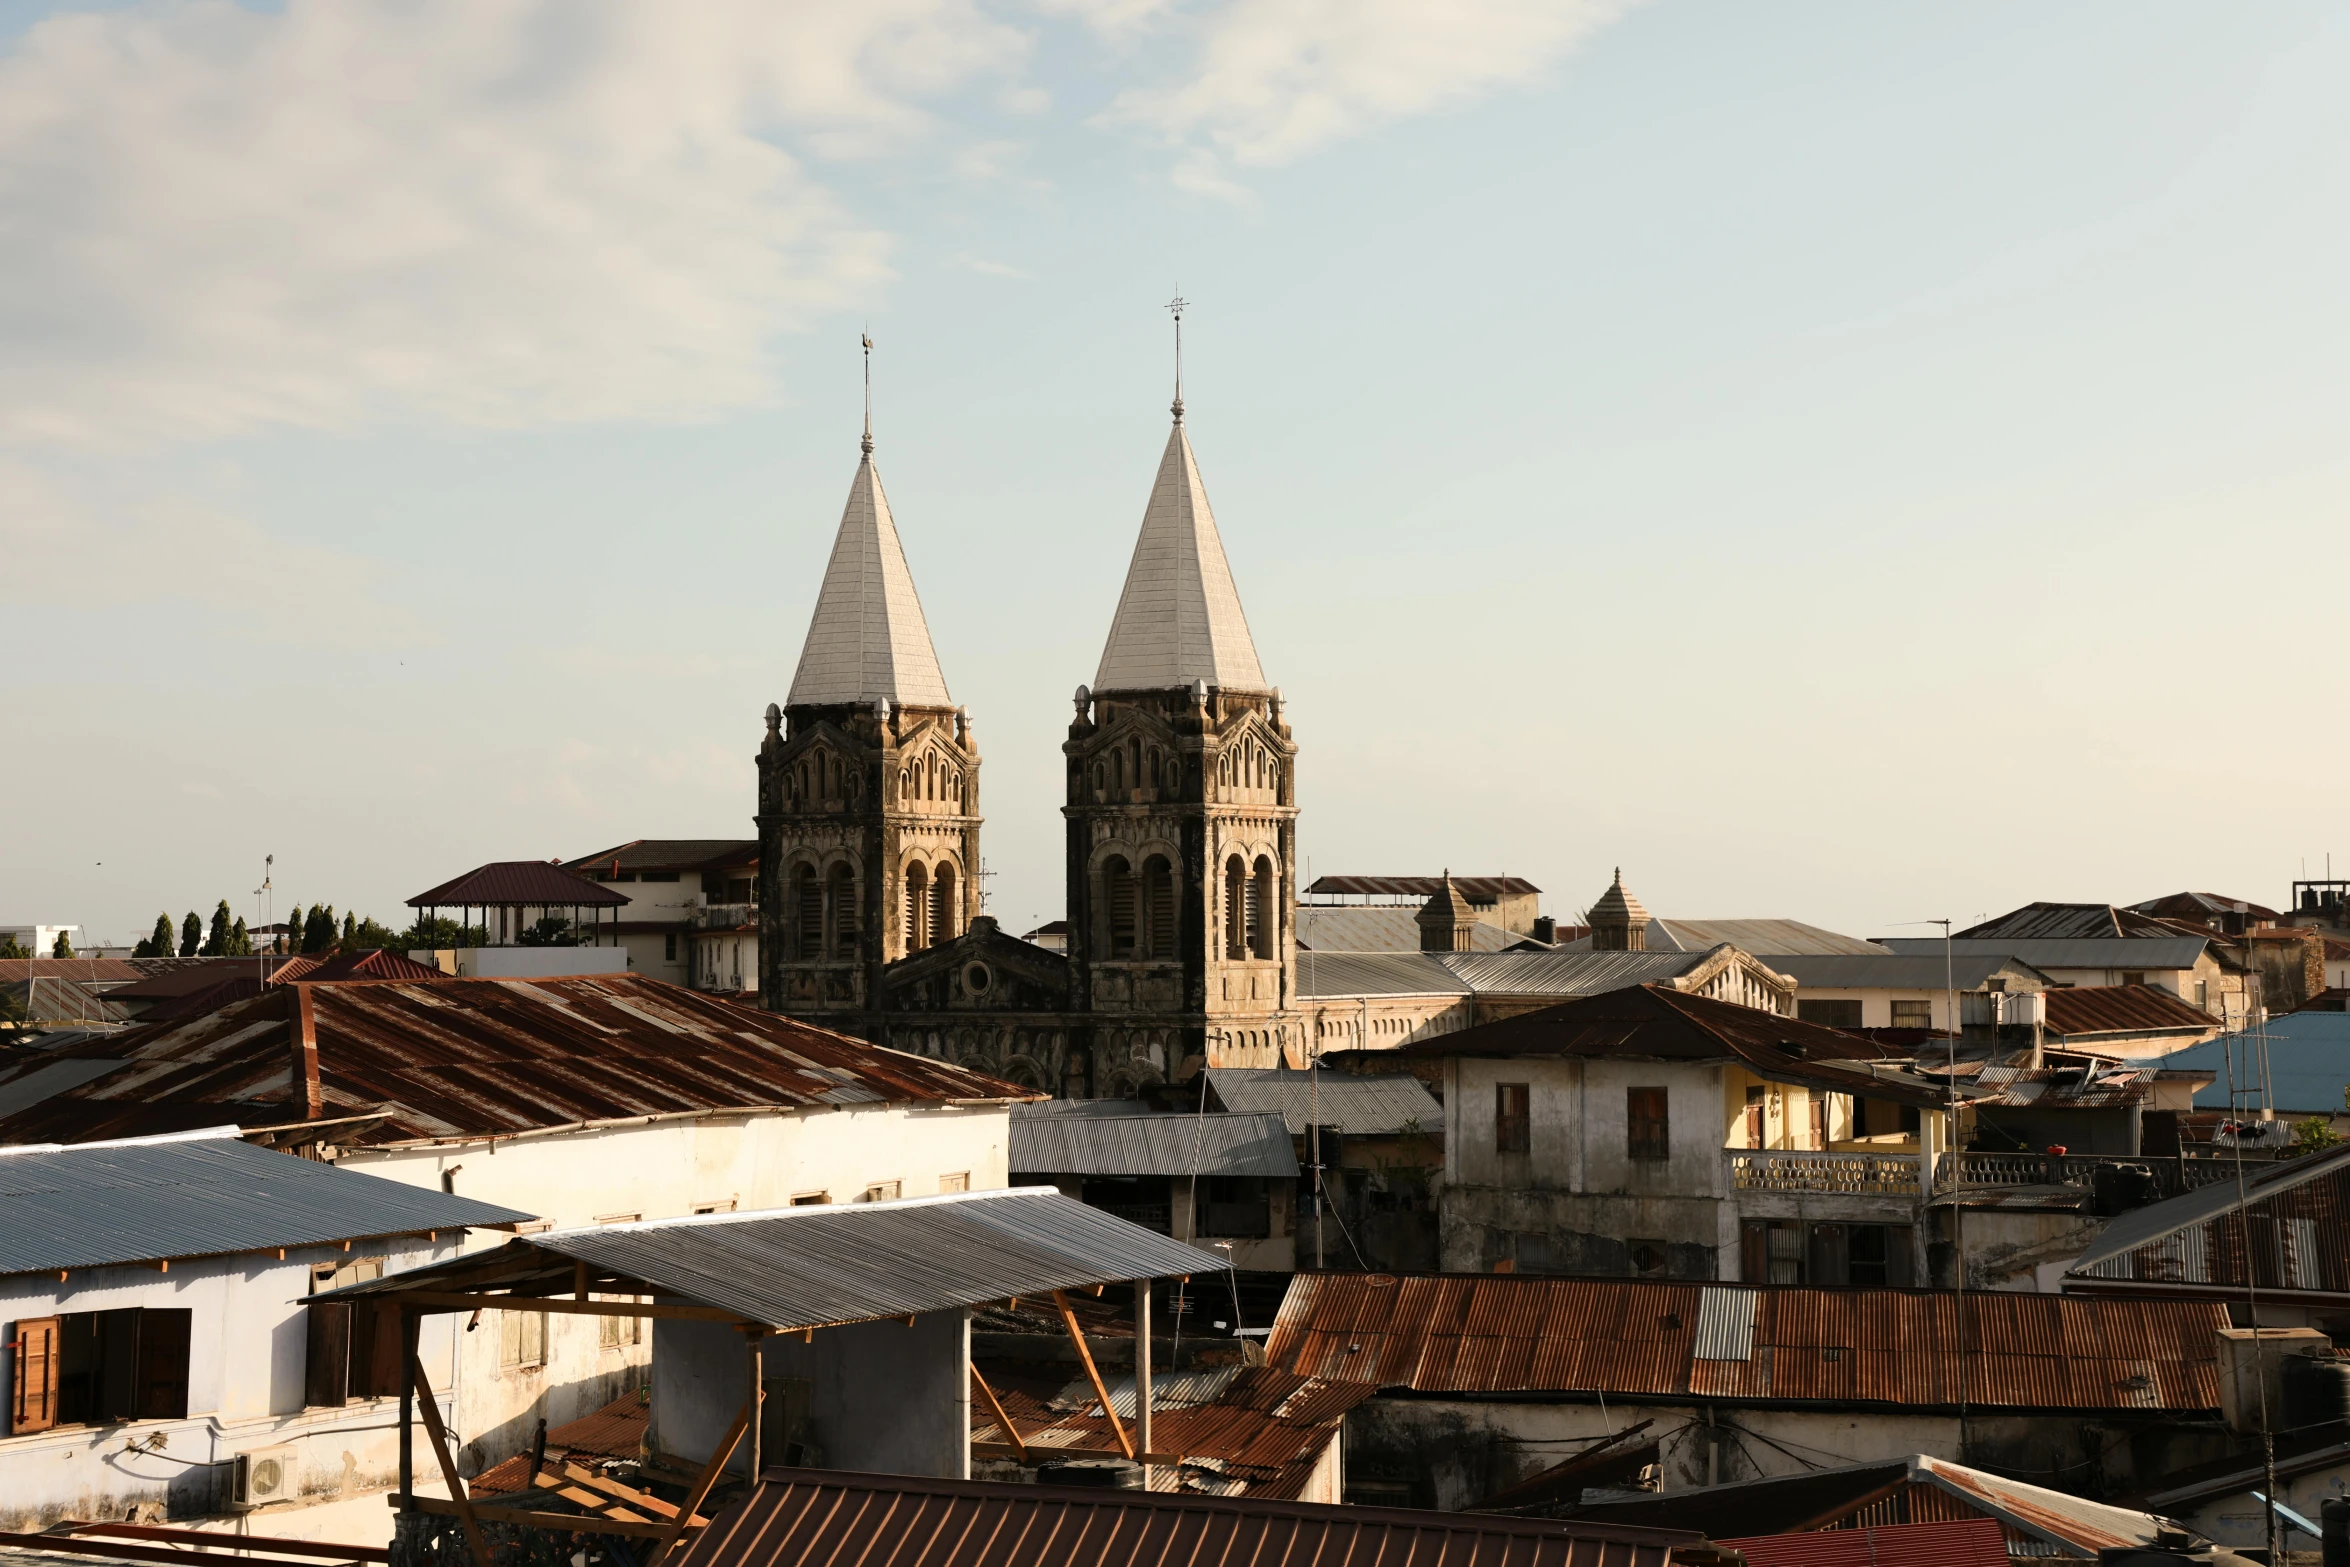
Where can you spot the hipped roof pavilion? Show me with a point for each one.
(776, 1271)
(520, 885)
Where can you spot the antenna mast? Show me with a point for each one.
(868, 443)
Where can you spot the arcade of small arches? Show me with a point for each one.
(821, 780)
(1121, 769)
(931, 779)
(1251, 764)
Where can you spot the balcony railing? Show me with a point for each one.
(2171, 1174)
(726, 916)
(1859, 1174)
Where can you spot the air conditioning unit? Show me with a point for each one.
(262, 1476)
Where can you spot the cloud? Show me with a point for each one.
(963, 260)
(486, 212)
(77, 545)
(1276, 79)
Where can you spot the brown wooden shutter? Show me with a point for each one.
(162, 1376)
(32, 1404)
(326, 1373)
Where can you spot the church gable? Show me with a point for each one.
(981, 970)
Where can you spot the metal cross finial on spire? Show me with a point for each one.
(1175, 308)
(868, 444)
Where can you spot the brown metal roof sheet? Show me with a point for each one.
(2121, 1009)
(475, 1057)
(1484, 1333)
(532, 883)
(98, 971)
(826, 1518)
(669, 854)
(1477, 889)
(2066, 921)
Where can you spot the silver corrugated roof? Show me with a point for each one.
(1725, 1325)
(1212, 1144)
(1384, 930)
(817, 1267)
(1566, 974)
(1357, 1106)
(1762, 938)
(98, 1204)
(2106, 952)
(1323, 974)
(1892, 971)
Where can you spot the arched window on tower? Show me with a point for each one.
(1235, 908)
(1118, 906)
(1158, 907)
(844, 912)
(917, 908)
(943, 907)
(1262, 887)
(807, 906)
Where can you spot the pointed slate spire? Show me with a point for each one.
(1180, 619)
(867, 640)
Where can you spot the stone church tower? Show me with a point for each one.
(1182, 814)
(868, 786)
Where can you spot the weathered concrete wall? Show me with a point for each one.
(247, 1353)
(2008, 1249)
(1456, 1452)
(667, 1169)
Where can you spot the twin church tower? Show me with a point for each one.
(1181, 814)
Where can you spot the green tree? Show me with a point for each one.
(318, 932)
(552, 930)
(63, 947)
(10, 947)
(438, 934)
(191, 934)
(216, 944)
(2312, 1135)
(360, 935)
(240, 940)
(160, 944)
(290, 940)
(350, 931)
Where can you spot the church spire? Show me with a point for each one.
(1179, 618)
(868, 641)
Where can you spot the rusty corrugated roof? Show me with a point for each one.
(2066, 921)
(520, 883)
(1246, 1430)
(826, 1518)
(477, 1057)
(2123, 1009)
(1487, 1333)
(1477, 889)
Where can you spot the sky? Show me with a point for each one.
(1853, 464)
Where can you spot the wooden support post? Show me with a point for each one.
(407, 1410)
(430, 1408)
(757, 1404)
(1085, 1357)
(1142, 1372)
(1003, 1416)
(702, 1483)
(579, 1281)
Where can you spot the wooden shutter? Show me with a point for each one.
(327, 1368)
(162, 1371)
(32, 1404)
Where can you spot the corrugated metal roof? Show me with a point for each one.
(1211, 1144)
(1895, 971)
(474, 1057)
(101, 972)
(822, 1266)
(1651, 1022)
(2202, 907)
(1472, 1333)
(2307, 1057)
(532, 883)
(1477, 889)
(1246, 1431)
(2122, 1009)
(2182, 1241)
(1356, 1106)
(1383, 930)
(1566, 973)
(1326, 974)
(203, 1196)
(668, 854)
(2117, 953)
(2065, 921)
(1951, 1542)
(366, 963)
(1725, 1325)
(824, 1518)
(2070, 1088)
(1761, 938)
(2039, 1520)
